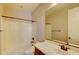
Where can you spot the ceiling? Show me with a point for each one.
(24, 6)
(60, 7)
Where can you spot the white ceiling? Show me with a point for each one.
(24, 6)
(60, 7)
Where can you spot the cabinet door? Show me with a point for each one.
(38, 52)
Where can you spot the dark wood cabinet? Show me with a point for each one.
(38, 52)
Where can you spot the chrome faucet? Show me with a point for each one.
(64, 47)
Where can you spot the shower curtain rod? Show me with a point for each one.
(18, 18)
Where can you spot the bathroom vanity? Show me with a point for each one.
(52, 48)
(38, 52)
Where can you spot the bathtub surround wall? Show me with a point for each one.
(59, 22)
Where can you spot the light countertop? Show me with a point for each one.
(53, 48)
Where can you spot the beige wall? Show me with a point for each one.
(1, 10)
(59, 21)
(17, 12)
(48, 31)
(39, 16)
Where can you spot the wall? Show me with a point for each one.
(1, 10)
(48, 31)
(16, 37)
(59, 21)
(39, 16)
(17, 12)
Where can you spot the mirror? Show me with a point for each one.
(61, 23)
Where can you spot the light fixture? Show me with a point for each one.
(52, 5)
